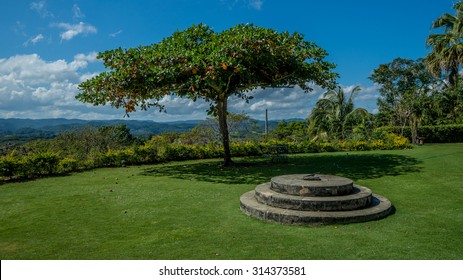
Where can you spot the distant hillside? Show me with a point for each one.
(23, 130)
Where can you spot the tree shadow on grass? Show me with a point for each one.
(259, 170)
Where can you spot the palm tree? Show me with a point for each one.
(447, 48)
(335, 113)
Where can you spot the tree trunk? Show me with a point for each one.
(453, 77)
(222, 114)
(414, 130)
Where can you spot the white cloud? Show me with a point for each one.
(34, 40)
(37, 39)
(365, 93)
(77, 12)
(348, 89)
(256, 4)
(31, 87)
(87, 76)
(366, 98)
(82, 60)
(72, 30)
(281, 103)
(41, 9)
(115, 34)
(19, 28)
(250, 4)
(288, 103)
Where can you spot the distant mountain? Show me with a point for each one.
(66, 124)
(23, 130)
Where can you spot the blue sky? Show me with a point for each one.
(49, 46)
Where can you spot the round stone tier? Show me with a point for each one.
(379, 208)
(312, 185)
(359, 198)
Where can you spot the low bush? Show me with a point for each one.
(10, 165)
(118, 157)
(30, 166)
(41, 164)
(378, 145)
(327, 147)
(360, 146)
(450, 133)
(247, 148)
(67, 165)
(442, 133)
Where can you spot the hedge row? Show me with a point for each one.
(31, 166)
(452, 133)
(48, 163)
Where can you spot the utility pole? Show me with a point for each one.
(266, 122)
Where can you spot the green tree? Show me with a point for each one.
(447, 48)
(80, 143)
(335, 113)
(293, 130)
(406, 89)
(198, 63)
(448, 106)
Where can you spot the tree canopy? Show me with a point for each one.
(406, 89)
(199, 63)
(446, 54)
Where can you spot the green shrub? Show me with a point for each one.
(378, 145)
(118, 157)
(247, 148)
(360, 146)
(146, 153)
(93, 159)
(211, 150)
(295, 148)
(310, 147)
(67, 165)
(442, 133)
(327, 147)
(40, 164)
(399, 142)
(10, 165)
(343, 145)
(450, 133)
(180, 152)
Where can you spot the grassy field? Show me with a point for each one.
(190, 210)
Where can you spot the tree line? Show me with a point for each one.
(115, 146)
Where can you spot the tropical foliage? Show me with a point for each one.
(406, 89)
(335, 114)
(446, 54)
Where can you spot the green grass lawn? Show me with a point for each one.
(190, 210)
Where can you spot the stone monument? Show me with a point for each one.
(314, 199)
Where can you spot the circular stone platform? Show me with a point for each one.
(314, 199)
(312, 185)
(359, 198)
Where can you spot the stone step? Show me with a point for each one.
(359, 198)
(312, 185)
(379, 208)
